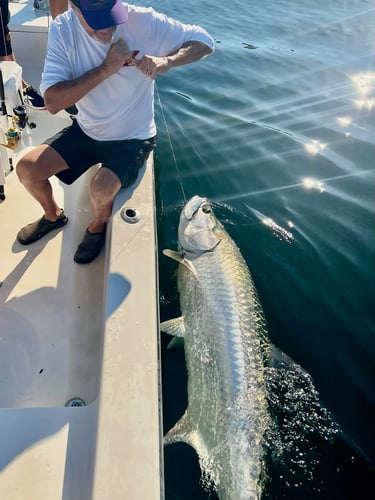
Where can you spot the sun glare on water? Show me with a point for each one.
(315, 147)
(310, 183)
(364, 84)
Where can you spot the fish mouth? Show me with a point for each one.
(194, 204)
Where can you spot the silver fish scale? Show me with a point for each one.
(226, 347)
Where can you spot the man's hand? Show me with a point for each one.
(152, 66)
(118, 54)
(64, 94)
(188, 53)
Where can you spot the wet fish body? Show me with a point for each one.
(225, 341)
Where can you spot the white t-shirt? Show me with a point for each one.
(122, 106)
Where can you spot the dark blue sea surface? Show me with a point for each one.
(277, 130)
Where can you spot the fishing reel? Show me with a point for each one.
(13, 134)
(22, 117)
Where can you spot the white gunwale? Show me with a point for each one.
(77, 331)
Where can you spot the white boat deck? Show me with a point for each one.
(77, 331)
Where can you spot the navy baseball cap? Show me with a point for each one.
(101, 14)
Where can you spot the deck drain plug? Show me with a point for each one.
(130, 215)
(75, 402)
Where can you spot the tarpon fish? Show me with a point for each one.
(226, 348)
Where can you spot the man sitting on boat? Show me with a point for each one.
(103, 56)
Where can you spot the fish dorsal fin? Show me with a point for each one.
(175, 327)
(181, 259)
(184, 433)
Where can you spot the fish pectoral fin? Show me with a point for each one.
(175, 327)
(173, 255)
(187, 263)
(181, 259)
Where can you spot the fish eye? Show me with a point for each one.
(206, 208)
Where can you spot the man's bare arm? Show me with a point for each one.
(65, 94)
(188, 53)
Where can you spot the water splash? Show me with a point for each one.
(301, 433)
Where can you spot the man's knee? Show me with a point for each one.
(25, 169)
(39, 164)
(105, 184)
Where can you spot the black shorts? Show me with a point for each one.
(80, 152)
(5, 38)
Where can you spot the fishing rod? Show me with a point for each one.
(3, 124)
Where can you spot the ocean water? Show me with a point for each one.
(277, 130)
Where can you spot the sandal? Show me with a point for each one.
(90, 247)
(36, 230)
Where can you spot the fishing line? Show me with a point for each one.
(170, 143)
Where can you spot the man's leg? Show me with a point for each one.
(103, 188)
(34, 170)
